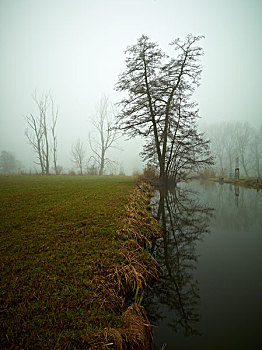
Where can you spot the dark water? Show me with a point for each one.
(209, 295)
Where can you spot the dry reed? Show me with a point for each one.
(133, 274)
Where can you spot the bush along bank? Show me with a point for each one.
(128, 279)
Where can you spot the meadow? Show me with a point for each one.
(57, 233)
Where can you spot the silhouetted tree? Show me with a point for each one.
(158, 103)
(187, 150)
(184, 222)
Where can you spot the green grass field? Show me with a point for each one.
(56, 234)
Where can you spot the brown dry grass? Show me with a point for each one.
(132, 275)
(135, 334)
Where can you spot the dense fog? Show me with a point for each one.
(72, 53)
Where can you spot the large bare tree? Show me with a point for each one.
(157, 105)
(37, 132)
(105, 135)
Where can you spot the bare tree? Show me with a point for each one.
(106, 135)
(8, 163)
(78, 155)
(230, 146)
(158, 102)
(187, 150)
(37, 132)
(242, 135)
(223, 145)
(218, 148)
(256, 151)
(34, 134)
(54, 112)
(91, 167)
(233, 140)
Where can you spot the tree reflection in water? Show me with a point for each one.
(184, 222)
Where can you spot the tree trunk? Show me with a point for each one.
(244, 165)
(163, 174)
(102, 164)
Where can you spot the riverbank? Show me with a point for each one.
(246, 183)
(72, 256)
(249, 183)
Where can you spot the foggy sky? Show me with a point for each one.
(75, 50)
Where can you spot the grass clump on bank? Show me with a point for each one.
(130, 276)
(69, 261)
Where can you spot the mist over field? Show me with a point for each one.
(74, 50)
(169, 92)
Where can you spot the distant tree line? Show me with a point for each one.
(9, 164)
(236, 142)
(42, 137)
(101, 140)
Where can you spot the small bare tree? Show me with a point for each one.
(91, 167)
(78, 155)
(37, 132)
(106, 134)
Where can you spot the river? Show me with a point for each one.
(209, 294)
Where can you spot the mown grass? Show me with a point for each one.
(57, 233)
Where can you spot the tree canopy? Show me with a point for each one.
(158, 104)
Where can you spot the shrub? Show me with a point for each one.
(150, 175)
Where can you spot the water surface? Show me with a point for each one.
(209, 295)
